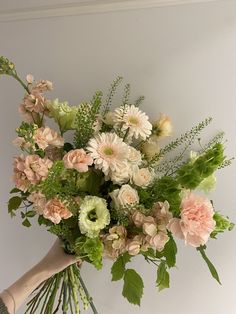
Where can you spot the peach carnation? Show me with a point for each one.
(30, 169)
(36, 168)
(19, 177)
(196, 222)
(39, 201)
(78, 159)
(46, 136)
(55, 211)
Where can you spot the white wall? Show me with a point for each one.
(183, 59)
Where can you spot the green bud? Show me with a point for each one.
(222, 224)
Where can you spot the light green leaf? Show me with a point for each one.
(30, 213)
(118, 268)
(163, 277)
(133, 286)
(211, 267)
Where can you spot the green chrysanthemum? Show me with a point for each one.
(94, 216)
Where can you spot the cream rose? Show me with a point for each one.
(142, 177)
(125, 196)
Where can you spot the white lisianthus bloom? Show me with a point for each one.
(131, 118)
(109, 118)
(125, 196)
(121, 175)
(142, 177)
(150, 148)
(94, 216)
(163, 126)
(134, 156)
(108, 152)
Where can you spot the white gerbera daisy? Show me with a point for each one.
(94, 216)
(132, 118)
(108, 151)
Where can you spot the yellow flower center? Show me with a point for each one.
(108, 151)
(133, 120)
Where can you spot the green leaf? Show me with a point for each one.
(30, 214)
(170, 251)
(133, 286)
(44, 221)
(211, 267)
(13, 204)
(118, 268)
(26, 223)
(15, 190)
(163, 277)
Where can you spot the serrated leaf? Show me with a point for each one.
(163, 277)
(13, 204)
(170, 251)
(211, 267)
(26, 223)
(133, 286)
(118, 268)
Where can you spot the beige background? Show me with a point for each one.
(183, 58)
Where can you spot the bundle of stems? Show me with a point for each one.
(63, 290)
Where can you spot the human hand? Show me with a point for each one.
(56, 259)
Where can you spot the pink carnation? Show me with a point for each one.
(55, 211)
(78, 159)
(196, 223)
(45, 136)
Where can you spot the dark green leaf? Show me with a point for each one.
(170, 251)
(44, 221)
(163, 278)
(13, 204)
(15, 190)
(211, 267)
(133, 286)
(22, 215)
(26, 223)
(118, 268)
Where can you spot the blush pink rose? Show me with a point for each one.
(45, 136)
(77, 159)
(196, 222)
(55, 211)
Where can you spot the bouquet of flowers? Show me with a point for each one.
(114, 191)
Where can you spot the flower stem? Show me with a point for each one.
(90, 300)
(74, 288)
